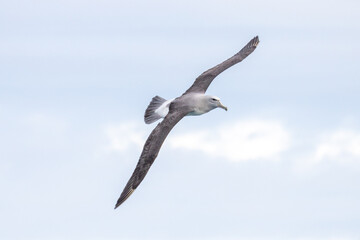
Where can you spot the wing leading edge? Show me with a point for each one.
(202, 82)
(150, 151)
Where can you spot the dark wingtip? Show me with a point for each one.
(255, 41)
(124, 195)
(118, 204)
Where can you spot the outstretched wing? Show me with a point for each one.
(150, 151)
(204, 80)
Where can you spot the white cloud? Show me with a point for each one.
(338, 145)
(123, 135)
(238, 141)
(241, 140)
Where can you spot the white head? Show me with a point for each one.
(214, 102)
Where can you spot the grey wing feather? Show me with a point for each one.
(150, 151)
(202, 83)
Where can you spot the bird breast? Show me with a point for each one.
(198, 104)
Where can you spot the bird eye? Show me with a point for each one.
(213, 99)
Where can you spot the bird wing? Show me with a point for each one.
(150, 151)
(204, 80)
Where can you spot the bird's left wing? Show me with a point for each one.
(150, 151)
(204, 80)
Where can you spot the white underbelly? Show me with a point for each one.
(196, 112)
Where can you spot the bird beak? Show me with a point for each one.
(222, 106)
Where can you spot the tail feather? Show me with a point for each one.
(150, 114)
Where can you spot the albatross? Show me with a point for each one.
(193, 102)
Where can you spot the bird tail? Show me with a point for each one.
(150, 114)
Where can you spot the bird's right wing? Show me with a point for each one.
(202, 82)
(150, 151)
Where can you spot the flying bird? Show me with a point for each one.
(192, 102)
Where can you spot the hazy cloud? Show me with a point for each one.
(121, 136)
(238, 141)
(338, 145)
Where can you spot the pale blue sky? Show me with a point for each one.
(282, 163)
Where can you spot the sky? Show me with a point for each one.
(282, 163)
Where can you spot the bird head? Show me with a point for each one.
(215, 102)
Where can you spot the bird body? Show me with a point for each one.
(197, 104)
(193, 102)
